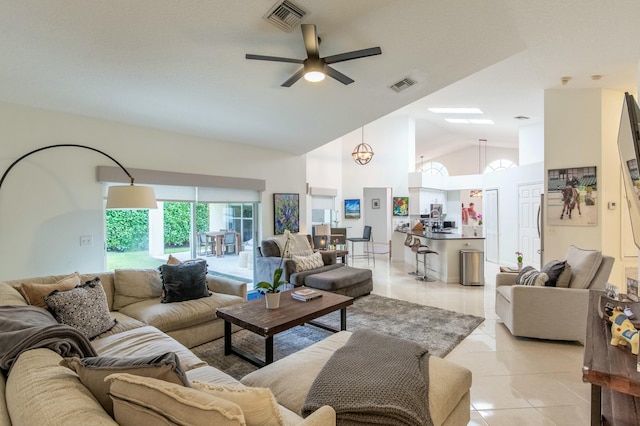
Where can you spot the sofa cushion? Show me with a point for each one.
(84, 308)
(269, 248)
(135, 285)
(175, 316)
(145, 341)
(34, 293)
(299, 277)
(42, 392)
(93, 370)
(584, 265)
(554, 269)
(258, 405)
(565, 277)
(306, 263)
(11, 296)
(143, 400)
(185, 281)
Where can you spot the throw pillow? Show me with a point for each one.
(306, 263)
(186, 281)
(554, 269)
(84, 308)
(135, 285)
(530, 276)
(146, 401)
(565, 277)
(92, 372)
(584, 265)
(34, 293)
(258, 404)
(302, 253)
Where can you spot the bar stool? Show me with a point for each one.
(423, 250)
(407, 243)
(366, 239)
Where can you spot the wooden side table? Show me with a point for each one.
(611, 370)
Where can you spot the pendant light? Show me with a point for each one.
(362, 153)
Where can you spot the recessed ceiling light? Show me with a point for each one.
(455, 110)
(468, 121)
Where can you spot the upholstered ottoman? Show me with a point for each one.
(348, 281)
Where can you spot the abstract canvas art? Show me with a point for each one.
(352, 209)
(286, 213)
(401, 206)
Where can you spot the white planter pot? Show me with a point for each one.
(273, 300)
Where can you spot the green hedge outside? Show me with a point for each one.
(128, 230)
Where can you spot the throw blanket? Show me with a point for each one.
(29, 327)
(374, 379)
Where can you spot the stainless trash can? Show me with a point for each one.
(471, 267)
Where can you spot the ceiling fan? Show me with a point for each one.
(314, 68)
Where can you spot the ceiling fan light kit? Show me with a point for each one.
(314, 68)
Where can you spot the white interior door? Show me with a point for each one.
(529, 240)
(490, 207)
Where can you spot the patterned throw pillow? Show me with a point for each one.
(306, 263)
(186, 281)
(554, 269)
(531, 276)
(84, 308)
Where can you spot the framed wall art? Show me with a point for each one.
(401, 206)
(286, 213)
(572, 196)
(375, 203)
(352, 209)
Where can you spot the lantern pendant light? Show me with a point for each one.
(362, 153)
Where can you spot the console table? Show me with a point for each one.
(611, 370)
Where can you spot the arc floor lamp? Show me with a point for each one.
(118, 197)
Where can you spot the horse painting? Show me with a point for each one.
(570, 200)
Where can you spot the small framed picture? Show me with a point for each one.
(375, 203)
(632, 289)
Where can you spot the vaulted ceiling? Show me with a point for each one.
(180, 65)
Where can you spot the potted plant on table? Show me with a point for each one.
(519, 258)
(271, 289)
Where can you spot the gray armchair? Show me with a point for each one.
(268, 260)
(553, 313)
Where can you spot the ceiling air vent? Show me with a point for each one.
(285, 15)
(403, 84)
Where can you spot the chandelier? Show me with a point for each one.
(362, 153)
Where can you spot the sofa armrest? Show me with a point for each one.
(505, 278)
(227, 286)
(323, 416)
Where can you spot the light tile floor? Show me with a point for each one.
(516, 381)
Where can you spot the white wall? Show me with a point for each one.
(531, 144)
(465, 161)
(52, 198)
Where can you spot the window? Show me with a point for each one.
(499, 165)
(434, 168)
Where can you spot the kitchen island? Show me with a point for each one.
(445, 266)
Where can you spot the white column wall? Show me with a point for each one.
(531, 144)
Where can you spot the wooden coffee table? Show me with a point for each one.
(255, 317)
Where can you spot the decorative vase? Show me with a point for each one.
(273, 300)
(519, 266)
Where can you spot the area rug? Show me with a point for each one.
(438, 330)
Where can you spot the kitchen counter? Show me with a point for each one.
(445, 266)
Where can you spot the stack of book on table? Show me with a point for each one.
(305, 294)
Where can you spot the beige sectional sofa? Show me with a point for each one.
(40, 391)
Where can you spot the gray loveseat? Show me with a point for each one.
(268, 260)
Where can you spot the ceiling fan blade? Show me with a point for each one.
(293, 78)
(341, 57)
(338, 75)
(310, 36)
(273, 58)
